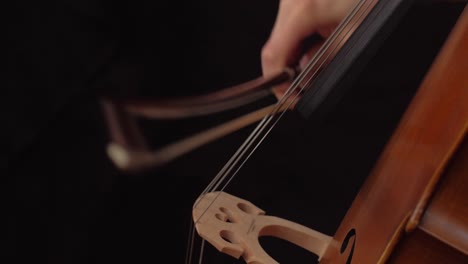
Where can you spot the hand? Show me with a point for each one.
(296, 21)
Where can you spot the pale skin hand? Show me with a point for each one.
(296, 21)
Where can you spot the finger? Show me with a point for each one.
(294, 23)
(280, 90)
(309, 55)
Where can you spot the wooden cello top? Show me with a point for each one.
(393, 201)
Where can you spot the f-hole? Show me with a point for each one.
(344, 245)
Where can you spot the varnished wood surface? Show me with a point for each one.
(421, 248)
(442, 235)
(425, 140)
(446, 218)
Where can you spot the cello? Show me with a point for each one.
(372, 233)
(411, 209)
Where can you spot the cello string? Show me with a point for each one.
(189, 252)
(202, 247)
(191, 239)
(214, 183)
(271, 116)
(282, 102)
(221, 176)
(241, 151)
(226, 169)
(345, 37)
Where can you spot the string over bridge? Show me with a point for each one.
(233, 226)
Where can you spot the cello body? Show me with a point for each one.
(413, 207)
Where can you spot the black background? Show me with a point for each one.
(65, 202)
